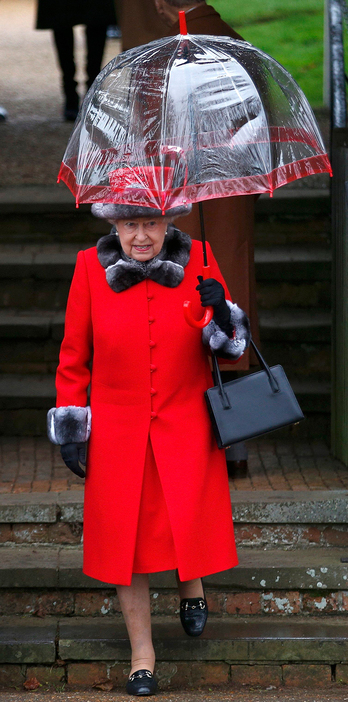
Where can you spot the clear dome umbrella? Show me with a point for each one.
(191, 118)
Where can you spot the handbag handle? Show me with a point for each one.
(218, 380)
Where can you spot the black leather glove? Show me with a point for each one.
(72, 455)
(212, 293)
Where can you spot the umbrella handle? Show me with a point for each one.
(208, 312)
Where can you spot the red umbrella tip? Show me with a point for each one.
(182, 22)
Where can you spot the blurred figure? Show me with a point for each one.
(113, 32)
(202, 18)
(139, 22)
(61, 16)
(3, 114)
(229, 221)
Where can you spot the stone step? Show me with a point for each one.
(262, 518)
(265, 519)
(96, 653)
(41, 581)
(35, 391)
(295, 202)
(292, 325)
(38, 276)
(278, 325)
(60, 567)
(53, 199)
(249, 506)
(57, 262)
(19, 393)
(256, 641)
(94, 639)
(299, 340)
(292, 263)
(31, 324)
(30, 419)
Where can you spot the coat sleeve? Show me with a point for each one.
(214, 337)
(70, 420)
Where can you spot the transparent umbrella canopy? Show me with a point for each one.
(190, 118)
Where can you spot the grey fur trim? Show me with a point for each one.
(166, 269)
(221, 343)
(69, 425)
(108, 210)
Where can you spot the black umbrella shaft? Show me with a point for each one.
(201, 217)
(196, 160)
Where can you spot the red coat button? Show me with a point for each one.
(151, 319)
(152, 343)
(149, 297)
(152, 367)
(153, 391)
(153, 415)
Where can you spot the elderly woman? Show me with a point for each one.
(156, 494)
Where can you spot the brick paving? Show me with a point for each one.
(332, 694)
(32, 464)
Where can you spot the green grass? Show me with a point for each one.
(289, 30)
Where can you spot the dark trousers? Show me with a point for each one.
(64, 42)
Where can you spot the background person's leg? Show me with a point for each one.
(237, 452)
(64, 43)
(95, 37)
(135, 605)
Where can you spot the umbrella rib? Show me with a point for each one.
(164, 108)
(242, 101)
(269, 140)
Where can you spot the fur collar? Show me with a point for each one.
(166, 269)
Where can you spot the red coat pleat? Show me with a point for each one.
(154, 546)
(150, 371)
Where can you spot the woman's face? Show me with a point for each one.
(141, 238)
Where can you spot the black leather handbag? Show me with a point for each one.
(252, 405)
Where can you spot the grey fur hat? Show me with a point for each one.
(106, 210)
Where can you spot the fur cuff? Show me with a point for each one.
(69, 425)
(220, 343)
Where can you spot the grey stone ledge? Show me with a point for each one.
(249, 506)
(27, 640)
(290, 201)
(29, 567)
(29, 508)
(236, 641)
(289, 507)
(18, 324)
(281, 325)
(299, 569)
(260, 639)
(267, 570)
(70, 506)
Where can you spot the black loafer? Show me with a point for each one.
(141, 682)
(193, 615)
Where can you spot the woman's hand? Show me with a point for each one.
(213, 293)
(72, 455)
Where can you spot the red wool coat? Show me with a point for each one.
(149, 374)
